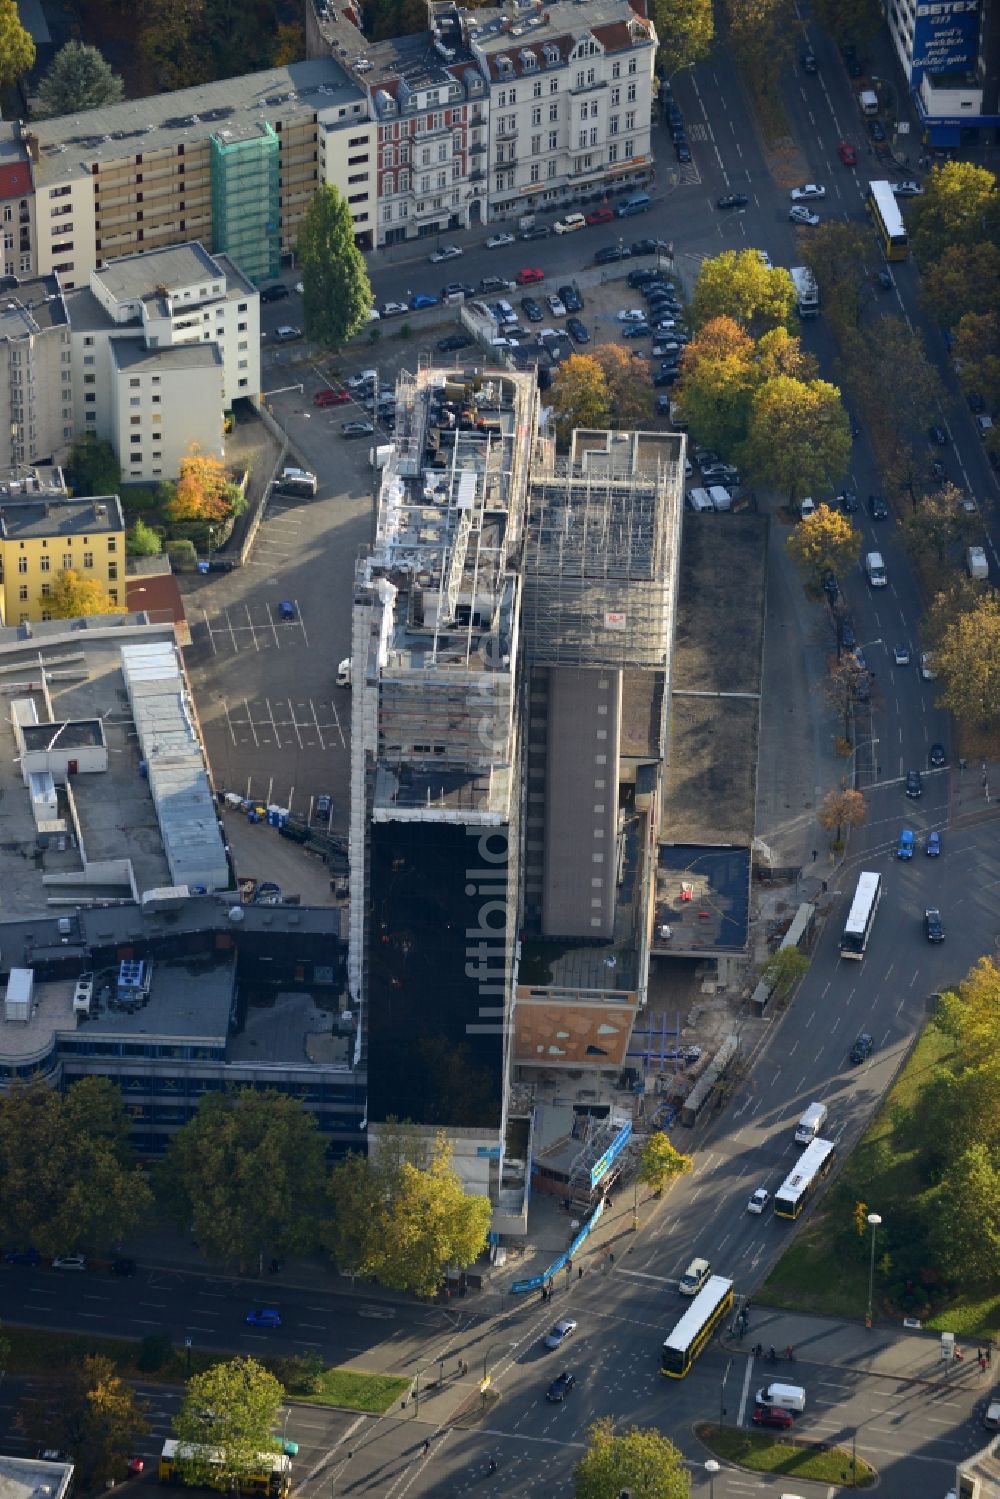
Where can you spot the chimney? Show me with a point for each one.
(30, 140)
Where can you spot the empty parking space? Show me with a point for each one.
(284, 723)
(252, 627)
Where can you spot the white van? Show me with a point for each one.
(721, 498)
(807, 507)
(786, 1397)
(875, 568)
(811, 1123)
(700, 500)
(694, 1277)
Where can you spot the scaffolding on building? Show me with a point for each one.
(246, 203)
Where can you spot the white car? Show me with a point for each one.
(927, 670)
(70, 1262)
(393, 309)
(504, 343)
(759, 1200)
(631, 315)
(497, 241)
(570, 223)
(563, 1329)
(361, 379)
(800, 215)
(557, 306)
(806, 192)
(907, 189)
(446, 252)
(765, 257)
(373, 315)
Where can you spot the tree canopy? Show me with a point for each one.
(686, 31)
(824, 542)
(639, 1461)
(337, 294)
(661, 1161)
(93, 467)
(737, 284)
(799, 439)
(78, 78)
(579, 395)
(964, 278)
(89, 1412)
(626, 378)
(17, 50)
(226, 1421)
(841, 809)
(967, 658)
(72, 596)
(960, 206)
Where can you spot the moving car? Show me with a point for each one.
(862, 1049)
(563, 1329)
(599, 216)
(933, 925)
(537, 231)
(809, 63)
(914, 784)
(357, 429)
(885, 280)
(759, 1200)
(932, 848)
(848, 154)
(422, 299)
(263, 1316)
(904, 849)
(936, 756)
(848, 502)
(331, 395)
(286, 333)
(70, 1262)
(773, 1415)
(800, 215)
(577, 331)
(455, 341)
(134, 1466)
(446, 252)
(570, 224)
(276, 293)
(694, 1277)
(530, 275)
(901, 654)
(732, 200)
(497, 241)
(560, 1387)
(876, 130)
(938, 436)
(878, 508)
(807, 192)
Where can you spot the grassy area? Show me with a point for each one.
(35, 1352)
(821, 1273)
(762, 1453)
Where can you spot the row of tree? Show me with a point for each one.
(609, 387)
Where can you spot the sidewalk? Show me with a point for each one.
(975, 792)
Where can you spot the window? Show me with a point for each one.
(579, 79)
(22, 593)
(536, 90)
(553, 139)
(22, 565)
(8, 241)
(629, 148)
(613, 151)
(535, 172)
(67, 561)
(616, 97)
(591, 75)
(46, 590)
(630, 121)
(553, 113)
(633, 66)
(631, 93)
(536, 116)
(593, 135)
(88, 559)
(582, 139)
(502, 99)
(613, 125)
(113, 595)
(112, 569)
(553, 85)
(536, 144)
(45, 563)
(583, 110)
(8, 214)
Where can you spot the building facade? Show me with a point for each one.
(43, 532)
(36, 377)
(949, 52)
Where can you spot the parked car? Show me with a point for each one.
(577, 331)
(927, 670)
(421, 300)
(497, 241)
(70, 1262)
(393, 309)
(27, 1256)
(932, 847)
(933, 925)
(457, 289)
(331, 395)
(904, 848)
(275, 293)
(876, 130)
(631, 315)
(357, 429)
(800, 215)
(286, 333)
(563, 1329)
(936, 756)
(682, 151)
(263, 1316)
(560, 1387)
(495, 283)
(862, 1049)
(532, 310)
(446, 252)
(732, 200)
(571, 298)
(610, 254)
(807, 192)
(637, 330)
(848, 154)
(529, 275)
(455, 341)
(570, 224)
(556, 305)
(287, 612)
(759, 1200)
(602, 215)
(846, 636)
(914, 784)
(907, 189)
(537, 231)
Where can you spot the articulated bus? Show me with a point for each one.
(861, 917)
(696, 1327)
(884, 210)
(272, 1479)
(794, 1192)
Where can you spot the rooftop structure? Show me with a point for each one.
(28, 1478)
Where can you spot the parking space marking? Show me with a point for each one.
(308, 721)
(250, 723)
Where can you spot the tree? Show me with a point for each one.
(963, 1217)
(337, 295)
(718, 380)
(799, 437)
(959, 597)
(17, 50)
(841, 257)
(977, 356)
(848, 20)
(143, 541)
(289, 43)
(841, 809)
(686, 31)
(960, 206)
(226, 1421)
(937, 525)
(737, 284)
(73, 597)
(90, 1413)
(968, 661)
(627, 379)
(660, 1162)
(783, 969)
(93, 467)
(640, 1461)
(173, 44)
(824, 542)
(761, 33)
(79, 78)
(779, 352)
(579, 396)
(70, 1180)
(848, 681)
(966, 278)
(203, 491)
(248, 1172)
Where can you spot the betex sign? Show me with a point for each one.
(945, 36)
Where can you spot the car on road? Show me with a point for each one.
(421, 300)
(933, 925)
(446, 252)
(938, 436)
(901, 654)
(287, 612)
(848, 154)
(495, 283)
(682, 151)
(862, 1049)
(932, 846)
(497, 241)
(809, 63)
(124, 1267)
(908, 189)
(134, 1466)
(876, 130)
(927, 670)
(570, 224)
(877, 507)
(331, 395)
(263, 1316)
(27, 1256)
(556, 305)
(457, 289)
(649, 247)
(557, 1335)
(848, 502)
(455, 341)
(801, 215)
(70, 1262)
(323, 804)
(904, 848)
(532, 309)
(571, 298)
(357, 429)
(884, 279)
(602, 215)
(938, 471)
(759, 1200)
(560, 1387)
(537, 231)
(694, 1277)
(936, 756)
(529, 275)
(732, 200)
(807, 192)
(286, 333)
(846, 637)
(610, 254)
(577, 331)
(914, 783)
(276, 293)
(773, 1415)
(393, 309)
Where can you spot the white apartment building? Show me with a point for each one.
(36, 377)
(162, 345)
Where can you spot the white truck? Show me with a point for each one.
(811, 1123)
(868, 101)
(806, 291)
(975, 561)
(875, 568)
(344, 673)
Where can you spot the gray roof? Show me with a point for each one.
(132, 354)
(84, 311)
(150, 271)
(70, 144)
(34, 307)
(55, 517)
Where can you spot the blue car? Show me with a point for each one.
(932, 848)
(263, 1316)
(637, 330)
(22, 1257)
(421, 300)
(905, 849)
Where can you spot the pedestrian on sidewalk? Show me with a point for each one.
(426, 1446)
(579, 1272)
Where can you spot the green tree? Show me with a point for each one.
(968, 661)
(337, 295)
(660, 1162)
(74, 597)
(848, 20)
(90, 1413)
(226, 1421)
(143, 541)
(977, 356)
(248, 1172)
(824, 542)
(718, 380)
(579, 396)
(93, 467)
(960, 206)
(963, 1218)
(966, 278)
(627, 379)
(737, 284)
(960, 596)
(640, 1461)
(173, 43)
(783, 969)
(686, 31)
(799, 438)
(69, 1178)
(779, 352)
(761, 33)
(17, 50)
(841, 256)
(79, 78)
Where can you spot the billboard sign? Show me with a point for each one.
(946, 36)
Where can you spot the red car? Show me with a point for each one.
(847, 154)
(529, 276)
(600, 216)
(330, 395)
(135, 1466)
(772, 1415)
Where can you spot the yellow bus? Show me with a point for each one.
(696, 1327)
(888, 220)
(272, 1480)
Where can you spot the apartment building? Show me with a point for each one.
(162, 344)
(36, 390)
(949, 52)
(43, 532)
(17, 198)
(233, 164)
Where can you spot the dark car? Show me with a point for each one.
(848, 502)
(885, 280)
(876, 130)
(933, 925)
(577, 331)
(862, 1049)
(454, 341)
(914, 783)
(936, 756)
(539, 231)
(666, 377)
(938, 436)
(532, 310)
(645, 246)
(938, 470)
(612, 253)
(287, 612)
(878, 508)
(773, 1415)
(640, 277)
(830, 586)
(637, 330)
(560, 1387)
(682, 151)
(846, 635)
(732, 200)
(276, 293)
(809, 63)
(571, 298)
(22, 1257)
(123, 1267)
(456, 289)
(356, 429)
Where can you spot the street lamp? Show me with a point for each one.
(874, 1220)
(711, 1468)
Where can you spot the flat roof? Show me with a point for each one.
(57, 516)
(31, 308)
(155, 271)
(132, 354)
(69, 145)
(703, 897)
(27, 1478)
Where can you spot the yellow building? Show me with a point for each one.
(44, 533)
